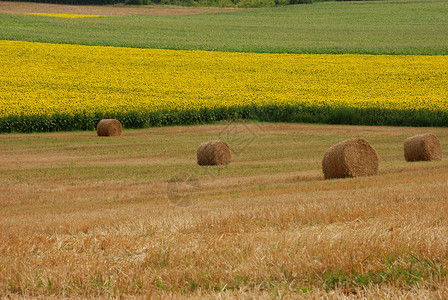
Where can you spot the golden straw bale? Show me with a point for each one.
(422, 147)
(109, 127)
(213, 153)
(351, 158)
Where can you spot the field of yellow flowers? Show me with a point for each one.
(47, 87)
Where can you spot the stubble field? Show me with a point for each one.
(89, 216)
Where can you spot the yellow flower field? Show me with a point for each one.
(48, 79)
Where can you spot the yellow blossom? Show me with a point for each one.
(48, 79)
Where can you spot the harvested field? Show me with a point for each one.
(83, 216)
(159, 10)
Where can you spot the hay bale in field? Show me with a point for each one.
(213, 153)
(422, 147)
(109, 127)
(351, 158)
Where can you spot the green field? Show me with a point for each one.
(383, 27)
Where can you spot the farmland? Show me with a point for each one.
(156, 87)
(136, 216)
(88, 216)
(71, 87)
(375, 27)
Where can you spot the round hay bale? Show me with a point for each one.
(109, 127)
(214, 153)
(422, 147)
(351, 158)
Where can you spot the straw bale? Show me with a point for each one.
(422, 147)
(109, 127)
(213, 153)
(351, 158)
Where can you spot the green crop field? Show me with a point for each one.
(375, 27)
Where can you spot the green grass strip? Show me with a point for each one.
(272, 113)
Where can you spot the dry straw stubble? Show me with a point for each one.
(422, 147)
(351, 158)
(215, 152)
(109, 127)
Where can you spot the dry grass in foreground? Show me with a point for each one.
(87, 216)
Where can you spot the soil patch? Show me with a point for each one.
(155, 10)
